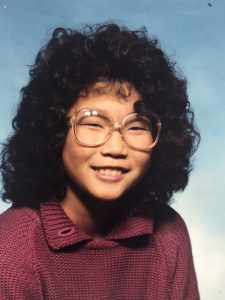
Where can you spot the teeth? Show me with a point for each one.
(118, 172)
(101, 171)
(109, 172)
(113, 173)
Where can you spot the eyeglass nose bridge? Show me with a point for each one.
(117, 126)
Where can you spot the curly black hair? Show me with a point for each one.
(72, 61)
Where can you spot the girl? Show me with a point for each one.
(103, 137)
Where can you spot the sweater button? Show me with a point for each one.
(66, 231)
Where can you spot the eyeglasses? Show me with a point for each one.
(93, 127)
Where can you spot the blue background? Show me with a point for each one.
(192, 32)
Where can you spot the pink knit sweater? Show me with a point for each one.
(43, 255)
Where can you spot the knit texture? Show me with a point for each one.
(43, 255)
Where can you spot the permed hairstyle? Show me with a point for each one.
(72, 61)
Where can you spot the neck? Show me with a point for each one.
(95, 217)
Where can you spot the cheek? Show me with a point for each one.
(74, 155)
(142, 162)
(70, 154)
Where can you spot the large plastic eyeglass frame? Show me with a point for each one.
(119, 126)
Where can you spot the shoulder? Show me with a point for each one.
(19, 276)
(17, 220)
(171, 235)
(173, 242)
(169, 223)
(17, 231)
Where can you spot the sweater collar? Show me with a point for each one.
(60, 232)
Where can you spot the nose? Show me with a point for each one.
(115, 146)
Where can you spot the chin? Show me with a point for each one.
(107, 198)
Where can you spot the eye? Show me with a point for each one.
(94, 125)
(139, 125)
(91, 122)
(138, 128)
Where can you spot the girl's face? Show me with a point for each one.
(97, 170)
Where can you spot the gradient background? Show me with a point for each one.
(192, 32)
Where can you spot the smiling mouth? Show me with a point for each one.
(110, 171)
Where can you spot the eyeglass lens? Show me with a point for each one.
(93, 128)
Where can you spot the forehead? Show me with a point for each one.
(107, 96)
(115, 88)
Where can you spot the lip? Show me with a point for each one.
(110, 178)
